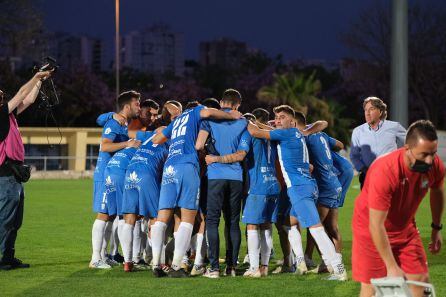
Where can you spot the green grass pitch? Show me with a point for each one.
(56, 240)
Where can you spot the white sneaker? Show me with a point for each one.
(99, 265)
(197, 270)
(340, 277)
(246, 259)
(301, 268)
(211, 273)
(111, 262)
(254, 273)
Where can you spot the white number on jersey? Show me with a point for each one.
(305, 157)
(179, 127)
(327, 149)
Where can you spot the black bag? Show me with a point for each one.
(22, 172)
(210, 146)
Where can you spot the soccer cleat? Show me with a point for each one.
(210, 273)
(99, 265)
(301, 268)
(118, 258)
(180, 273)
(5, 265)
(229, 271)
(198, 270)
(16, 263)
(246, 259)
(309, 262)
(341, 277)
(128, 266)
(284, 269)
(141, 265)
(185, 264)
(111, 262)
(158, 272)
(254, 273)
(321, 268)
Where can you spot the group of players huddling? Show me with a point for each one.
(162, 181)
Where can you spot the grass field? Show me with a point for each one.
(55, 239)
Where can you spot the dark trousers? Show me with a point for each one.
(11, 214)
(224, 195)
(361, 178)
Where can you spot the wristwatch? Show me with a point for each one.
(437, 227)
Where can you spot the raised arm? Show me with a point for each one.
(211, 113)
(317, 126)
(257, 132)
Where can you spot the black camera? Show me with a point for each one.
(47, 64)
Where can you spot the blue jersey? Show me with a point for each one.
(149, 157)
(293, 156)
(115, 132)
(230, 137)
(183, 134)
(341, 164)
(261, 161)
(320, 155)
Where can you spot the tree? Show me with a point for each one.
(369, 37)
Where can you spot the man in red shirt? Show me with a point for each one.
(386, 241)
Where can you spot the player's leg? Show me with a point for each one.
(158, 233)
(200, 252)
(253, 243)
(266, 245)
(235, 199)
(366, 290)
(183, 237)
(127, 240)
(332, 227)
(417, 291)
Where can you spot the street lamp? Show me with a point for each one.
(117, 46)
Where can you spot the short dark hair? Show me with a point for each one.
(261, 114)
(126, 98)
(192, 104)
(249, 116)
(150, 103)
(421, 129)
(300, 117)
(286, 109)
(231, 96)
(211, 103)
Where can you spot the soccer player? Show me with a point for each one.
(141, 190)
(114, 138)
(180, 183)
(386, 241)
(302, 189)
(147, 117)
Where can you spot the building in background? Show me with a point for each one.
(224, 52)
(72, 51)
(156, 50)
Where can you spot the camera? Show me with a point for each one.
(47, 64)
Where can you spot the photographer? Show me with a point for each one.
(12, 171)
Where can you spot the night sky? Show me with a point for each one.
(297, 29)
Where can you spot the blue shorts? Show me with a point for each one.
(260, 209)
(284, 206)
(303, 201)
(97, 195)
(331, 201)
(180, 187)
(345, 180)
(113, 190)
(141, 193)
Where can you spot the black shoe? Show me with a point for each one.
(16, 263)
(5, 266)
(158, 272)
(178, 273)
(118, 258)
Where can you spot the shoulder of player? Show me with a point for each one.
(387, 163)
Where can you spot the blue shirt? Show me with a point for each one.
(293, 156)
(368, 144)
(319, 145)
(341, 164)
(150, 157)
(115, 132)
(261, 161)
(230, 137)
(183, 134)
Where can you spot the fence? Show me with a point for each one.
(53, 163)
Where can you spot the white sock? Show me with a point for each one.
(97, 235)
(327, 249)
(114, 241)
(126, 241)
(266, 244)
(253, 248)
(182, 242)
(120, 226)
(158, 230)
(296, 243)
(137, 242)
(106, 239)
(200, 249)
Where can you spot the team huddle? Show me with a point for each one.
(162, 182)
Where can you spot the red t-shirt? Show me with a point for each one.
(391, 186)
